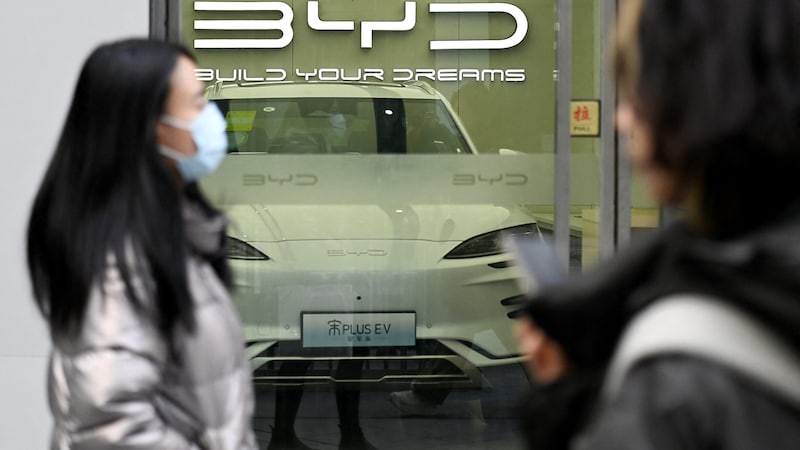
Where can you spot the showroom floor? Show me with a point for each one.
(467, 420)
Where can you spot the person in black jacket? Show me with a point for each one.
(710, 102)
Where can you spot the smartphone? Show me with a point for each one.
(536, 262)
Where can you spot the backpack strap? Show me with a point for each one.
(705, 327)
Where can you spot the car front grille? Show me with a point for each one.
(287, 363)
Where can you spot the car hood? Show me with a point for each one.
(262, 223)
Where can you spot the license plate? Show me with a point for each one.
(372, 329)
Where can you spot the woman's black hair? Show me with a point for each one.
(107, 191)
(718, 81)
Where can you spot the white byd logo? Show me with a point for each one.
(368, 28)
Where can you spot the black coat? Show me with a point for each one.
(684, 403)
(670, 402)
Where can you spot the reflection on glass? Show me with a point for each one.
(395, 282)
(353, 203)
(328, 119)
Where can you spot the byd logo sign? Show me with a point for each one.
(368, 28)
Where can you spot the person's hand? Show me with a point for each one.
(547, 361)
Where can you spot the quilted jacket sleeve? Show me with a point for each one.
(103, 386)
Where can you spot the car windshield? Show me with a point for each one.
(341, 126)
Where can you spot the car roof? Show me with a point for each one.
(312, 89)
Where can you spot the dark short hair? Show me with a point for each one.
(718, 82)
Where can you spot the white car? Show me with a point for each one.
(421, 292)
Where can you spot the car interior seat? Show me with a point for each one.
(360, 142)
(362, 137)
(257, 141)
(303, 142)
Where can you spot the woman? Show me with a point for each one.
(711, 102)
(128, 263)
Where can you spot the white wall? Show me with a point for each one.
(42, 46)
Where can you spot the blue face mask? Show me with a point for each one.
(208, 134)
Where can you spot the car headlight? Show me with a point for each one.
(488, 244)
(238, 249)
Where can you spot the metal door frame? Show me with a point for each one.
(166, 20)
(615, 167)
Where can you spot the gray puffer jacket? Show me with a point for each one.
(118, 386)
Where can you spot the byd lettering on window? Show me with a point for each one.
(367, 28)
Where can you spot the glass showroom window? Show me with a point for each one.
(378, 152)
